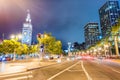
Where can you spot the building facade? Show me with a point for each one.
(91, 33)
(27, 30)
(108, 13)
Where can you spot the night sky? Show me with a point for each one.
(65, 19)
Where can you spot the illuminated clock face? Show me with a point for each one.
(30, 34)
(25, 33)
(28, 40)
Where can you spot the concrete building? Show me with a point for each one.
(27, 30)
(91, 33)
(109, 13)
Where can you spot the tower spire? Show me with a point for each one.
(28, 18)
(27, 30)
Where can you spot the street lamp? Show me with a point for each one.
(12, 36)
(69, 51)
(99, 51)
(95, 50)
(19, 36)
(16, 37)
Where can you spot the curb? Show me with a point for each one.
(27, 69)
(16, 70)
(24, 70)
(40, 67)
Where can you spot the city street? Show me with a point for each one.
(59, 40)
(71, 70)
(79, 70)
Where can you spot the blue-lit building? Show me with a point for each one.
(109, 13)
(27, 30)
(91, 33)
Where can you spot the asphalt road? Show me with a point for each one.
(74, 70)
(103, 70)
(79, 70)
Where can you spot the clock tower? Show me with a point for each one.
(27, 30)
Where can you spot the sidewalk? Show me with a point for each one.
(21, 66)
(116, 60)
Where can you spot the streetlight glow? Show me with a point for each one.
(19, 36)
(12, 36)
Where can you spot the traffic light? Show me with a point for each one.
(39, 35)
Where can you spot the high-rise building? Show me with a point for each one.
(91, 33)
(27, 30)
(109, 13)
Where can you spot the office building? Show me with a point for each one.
(91, 33)
(109, 13)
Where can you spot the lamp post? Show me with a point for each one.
(69, 46)
(95, 50)
(16, 38)
(99, 51)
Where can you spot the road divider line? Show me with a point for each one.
(63, 71)
(109, 67)
(115, 70)
(75, 70)
(86, 73)
(112, 69)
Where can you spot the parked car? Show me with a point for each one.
(8, 58)
(51, 57)
(3, 58)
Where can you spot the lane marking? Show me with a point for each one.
(8, 75)
(55, 65)
(62, 71)
(110, 68)
(115, 70)
(86, 73)
(75, 70)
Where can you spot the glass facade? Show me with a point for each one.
(91, 33)
(108, 13)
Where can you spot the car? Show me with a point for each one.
(8, 58)
(3, 58)
(51, 58)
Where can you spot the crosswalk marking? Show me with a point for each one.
(9, 75)
(17, 76)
